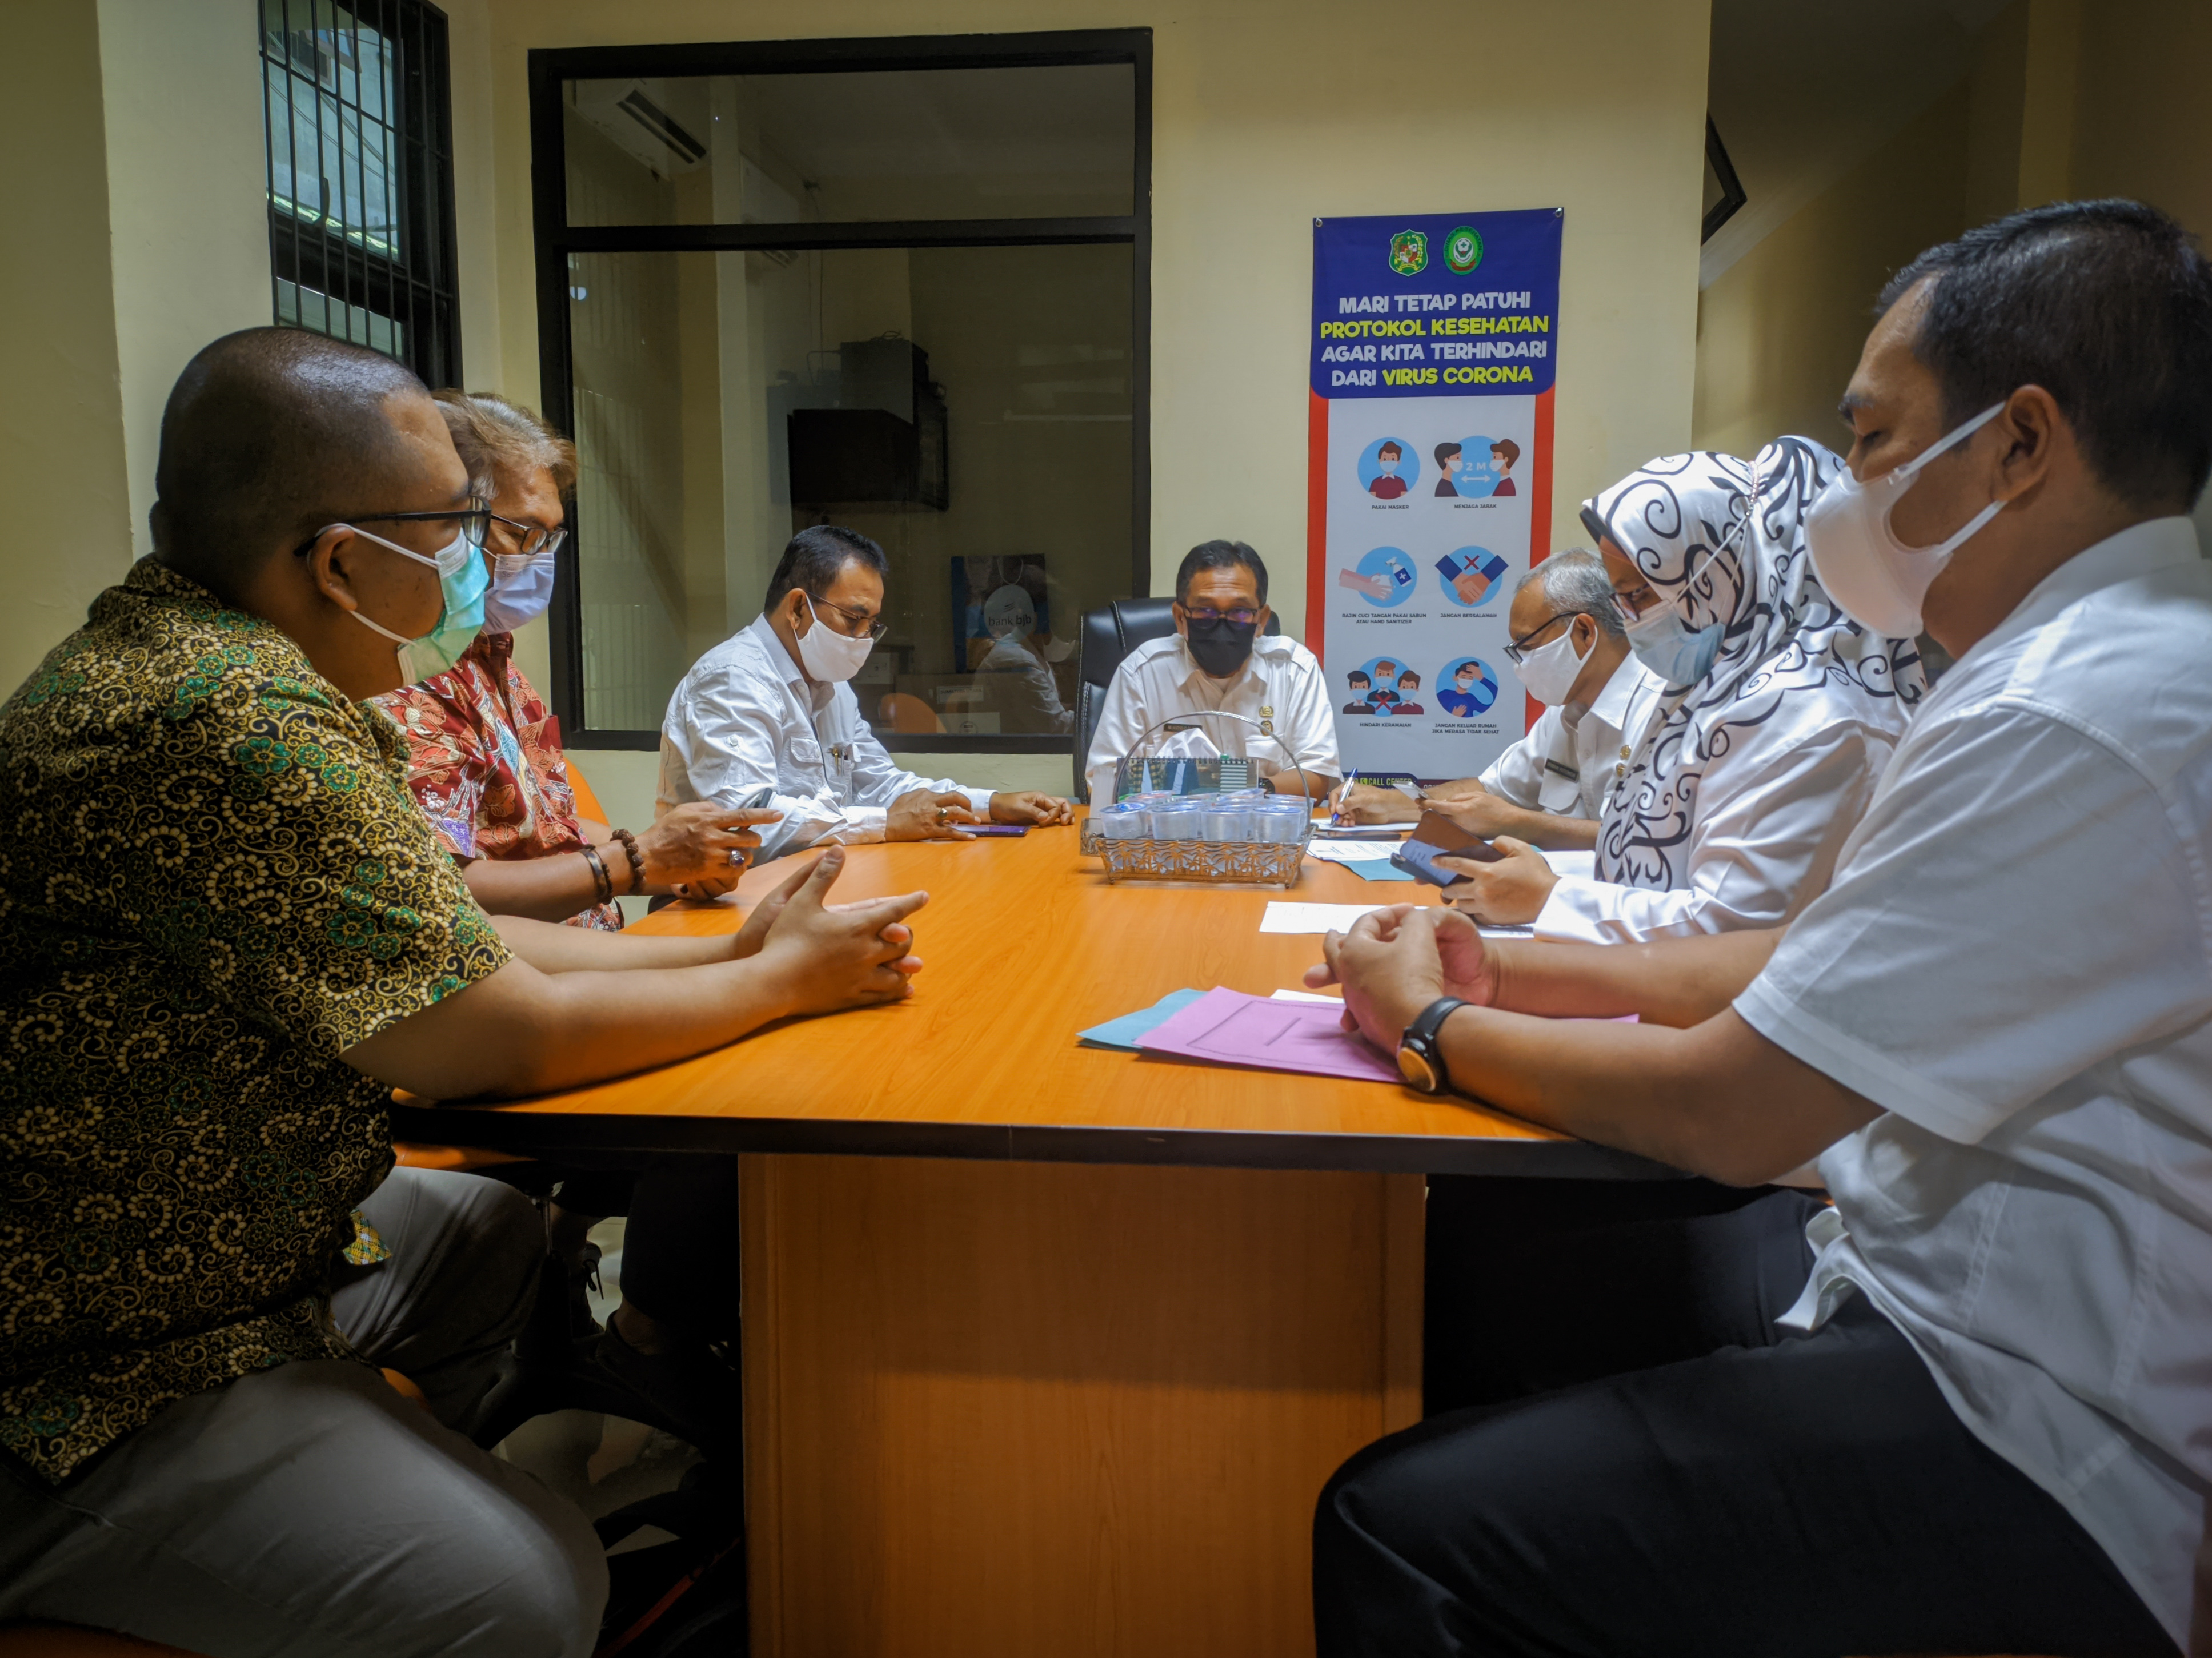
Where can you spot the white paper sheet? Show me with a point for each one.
(1284, 916)
(1352, 852)
(1582, 864)
(1302, 996)
(1354, 831)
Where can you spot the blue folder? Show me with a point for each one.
(1122, 1033)
(1376, 869)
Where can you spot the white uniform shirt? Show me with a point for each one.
(2015, 961)
(1567, 762)
(744, 719)
(1772, 815)
(1281, 683)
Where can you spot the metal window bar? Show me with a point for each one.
(359, 97)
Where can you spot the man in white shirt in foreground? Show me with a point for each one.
(1220, 657)
(1985, 1425)
(769, 708)
(1571, 654)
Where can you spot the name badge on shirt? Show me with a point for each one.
(1560, 769)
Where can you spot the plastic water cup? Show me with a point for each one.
(1178, 823)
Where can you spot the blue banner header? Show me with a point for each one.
(1437, 305)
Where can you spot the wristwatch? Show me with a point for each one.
(1420, 1054)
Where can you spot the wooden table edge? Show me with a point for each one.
(550, 1133)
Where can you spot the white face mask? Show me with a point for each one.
(828, 655)
(521, 588)
(1549, 672)
(1878, 581)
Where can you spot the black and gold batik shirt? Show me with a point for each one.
(213, 882)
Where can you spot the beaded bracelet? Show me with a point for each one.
(636, 860)
(606, 887)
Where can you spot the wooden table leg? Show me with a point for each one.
(1017, 1408)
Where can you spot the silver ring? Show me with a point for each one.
(736, 858)
(942, 814)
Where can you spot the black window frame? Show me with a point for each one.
(556, 240)
(420, 290)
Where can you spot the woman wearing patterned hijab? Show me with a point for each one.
(1731, 811)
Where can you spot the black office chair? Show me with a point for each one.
(1108, 637)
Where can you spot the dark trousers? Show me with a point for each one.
(680, 1251)
(1692, 1480)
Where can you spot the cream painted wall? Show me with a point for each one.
(1265, 116)
(135, 149)
(2062, 101)
(1780, 330)
(62, 466)
(187, 188)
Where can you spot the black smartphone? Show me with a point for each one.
(1436, 836)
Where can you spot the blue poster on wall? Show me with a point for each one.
(1435, 347)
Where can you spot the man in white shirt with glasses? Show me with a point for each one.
(1969, 1407)
(770, 709)
(1221, 658)
(1570, 654)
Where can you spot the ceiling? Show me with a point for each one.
(1803, 90)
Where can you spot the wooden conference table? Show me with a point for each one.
(1056, 1355)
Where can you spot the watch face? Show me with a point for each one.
(1414, 1065)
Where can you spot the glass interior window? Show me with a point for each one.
(893, 144)
(968, 408)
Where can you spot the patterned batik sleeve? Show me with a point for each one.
(334, 912)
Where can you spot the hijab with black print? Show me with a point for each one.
(1724, 540)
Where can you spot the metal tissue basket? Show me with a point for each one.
(1199, 859)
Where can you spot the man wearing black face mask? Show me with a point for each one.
(1221, 658)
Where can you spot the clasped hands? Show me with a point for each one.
(831, 955)
(1393, 962)
(926, 815)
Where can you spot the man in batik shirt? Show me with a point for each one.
(226, 934)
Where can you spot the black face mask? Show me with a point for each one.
(1221, 646)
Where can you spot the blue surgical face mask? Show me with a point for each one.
(521, 588)
(1663, 643)
(463, 580)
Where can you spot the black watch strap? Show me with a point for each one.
(1420, 1054)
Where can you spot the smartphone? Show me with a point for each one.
(1436, 836)
(994, 829)
(757, 798)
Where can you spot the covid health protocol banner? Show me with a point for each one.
(1430, 480)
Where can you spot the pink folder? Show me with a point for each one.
(1230, 1027)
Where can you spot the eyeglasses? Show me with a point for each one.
(864, 626)
(1635, 604)
(474, 519)
(1242, 618)
(1517, 652)
(533, 540)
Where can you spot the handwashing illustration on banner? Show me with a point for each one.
(1436, 340)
